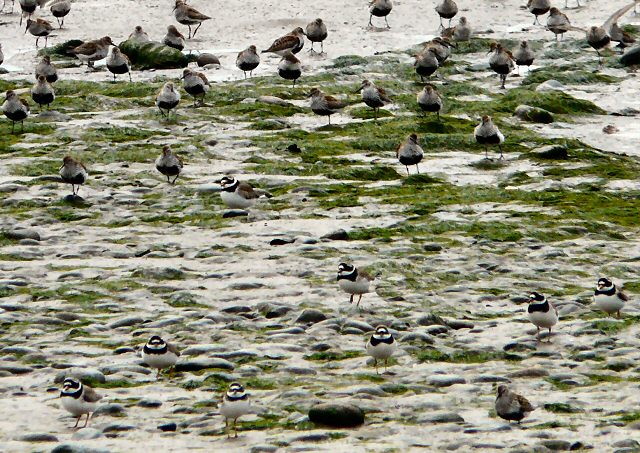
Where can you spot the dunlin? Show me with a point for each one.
(354, 281)
(92, 51)
(380, 8)
(523, 55)
(186, 15)
(42, 93)
(235, 403)
(614, 31)
(441, 48)
(196, 84)
(15, 109)
(73, 172)
(291, 42)
(598, 38)
(375, 97)
(174, 38)
(558, 22)
(426, 63)
(290, 68)
(78, 399)
(39, 28)
(609, 298)
(248, 60)
(169, 164)
(501, 61)
(461, 32)
(410, 152)
(487, 133)
(324, 105)
(60, 9)
(118, 63)
(446, 9)
(168, 98)
(47, 69)
(538, 8)
(542, 313)
(139, 35)
(317, 32)
(429, 100)
(27, 7)
(511, 406)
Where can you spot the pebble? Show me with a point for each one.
(311, 316)
(110, 409)
(273, 100)
(440, 417)
(338, 235)
(117, 427)
(84, 374)
(126, 322)
(87, 433)
(556, 444)
(21, 233)
(38, 437)
(204, 364)
(205, 59)
(171, 426)
(337, 415)
(149, 403)
(445, 380)
(76, 448)
(234, 213)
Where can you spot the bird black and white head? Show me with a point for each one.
(155, 342)
(70, 385)
(535, 297)
(235, 390)
(344, 268)
(381, 333)
(227, 181)
(604, 284)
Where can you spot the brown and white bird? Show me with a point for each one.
(73, 172)
(169, 164)
(317, 32)
(160, 354)
(511, 406)
(558, 23)
(373, 96)
(353, 281)
(42, 92)
(118, 63)
(538, 8)
(168, 98)
(16, 109)
(60, 9)
(429, 100)
(92, 51)
(78, 399)
(174, 38)
(608, 297)
(380, 8)
(381, 346)
(39, 28)
(523, 55)
(290, 68)
(446, 9)
(324, 105)
(616, 34)
(426, 63)
(461, 32)
(501, 61)
(487, 133)
(237, 194)
(248, 60)
(598, 39)
(410, 152)
(27, 7)
(291, 42)
(441, 48)
(139, 35)
(47, 69)
(196, 84)
(186, 15)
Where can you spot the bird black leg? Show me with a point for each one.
(359, 299)
(370, 17)
(538, 335)
(245, 74)
(130, 76)
(175, 179)
(161, 112)
(549, 335)
(196, 30)
(189, 37)
(86, 422)
(77, 421)
(407, 167)
(385, 21)
(501, 155)
(351, 299)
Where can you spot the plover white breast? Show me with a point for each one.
(42, 92)
(608, 297)
(168, 98)
(78, 399)
(542, 313)
(235, 403)
(237, 194)
(353, 281)
(159, 354)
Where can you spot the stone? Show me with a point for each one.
(206, 59)
(53, 116)
(337, 415)
(154, 55)
(432, 247)
(273, 100)
(533, 114)
(627, 443)
(441, 417)
(430, 320)
(110, 409)
(458, 324)
(15, 369)
(550, 85)
(556, 444)
(234, 213)
(86, 375)
(171, 426)
(87, 433)
(77, 448)
(117, 427)
(282, 241)
(204, 364)
(149, 403)
(22, 233)
(557, 152)
(38, 437)
(311, 316)
(631, 57)
(445, 380)
(126, 322)
(338, 235)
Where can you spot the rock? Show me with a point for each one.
(550, 152)
(125, 322)
(432, 247)
(52, 115)
(154, 55)
(338, 235)
(86, 375)
(627, 443)
(64, 49)
(117, 428)
(282, 241)
(15, 369)
(441, 417)
(556, 444)
(417, 336)
(337, 415)
(168, 427)
(76, 448)
(483, 378)
(274, 100)
(631, 57)
(430, 320)
(205, 59)
(38, 437)
(311, 315)
(445, 380)
(533, 114)
(22, 233)
(149, 403)
(110, 409)
(123, 350)
(610, 129)
(87, 434)
(550, 85)
(263, 449)
(165, 273)
(204, 364)
(529, 372)
(234, 213)
(459, 324)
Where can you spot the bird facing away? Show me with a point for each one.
(39, 28)
(511, 406)
(426, 63)
(410, 152)
(118, 63)
(15, 109)
(92, 51)
(78, 399)
(196, 84)
(73, 172)
(174, 38)
(461, 32)
(235, 403)
(47, 69)
(237, 194)
(608, 298)
(542, 313)
(380, 8)
(59, 9)
(501, 61)
(598, 39)
(317, 32)
(186, 15)
(290, 68)
(169, 164)
(446, 9)
(487, 133)
(523, 55)
(159, 354)
(373, 96)
(538, 8)
(324, 105)
(248, 60)
(381, 346)
(168, 98)
(139, 35)
(291, 42)
(429, 100)
(42, 92)
(353, 281)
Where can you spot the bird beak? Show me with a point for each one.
(359, 89)
(600, 285)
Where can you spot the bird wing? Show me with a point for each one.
(398, 148)
(25, 103)
(82, 165)
(615, 16)
(333, 103)
(366, 275)
(523, 403)
(87, 48)
(181, 165)
(247, 191)
(203, 77)
(173, 348)
(383, 95)
(623, 296)
(90, 395)
(195, 14)
(283, 43)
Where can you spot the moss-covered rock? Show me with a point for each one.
(154, 55)
(533, 114)
(61, 50)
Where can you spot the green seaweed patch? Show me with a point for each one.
(366, 113)
(465, 356)
(552, 101)
(562, 408)
(333, 356)
(372, 173)
(629, 417)
(554, 424)
(110, 384)
(115, 134)
(612, 327)
(568, 75)
(348, 61)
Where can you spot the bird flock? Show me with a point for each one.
(79, 399)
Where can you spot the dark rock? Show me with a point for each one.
(338, 235)
(16, 369)
(21, 233)
(432, 247)
(168, 427)
(154, 55)
(311, 315)
(631, 57)
(337, 415)
(117, 427)
(149, 403)
(442, 417)
(38, 437)
(533, 114)
(551, 152)
(64, 49)
(627, 443)
(110, 409)
(125, 322)
(518, 347)
(282, 241)
(236, 309)
(205, 59)
(556, 444)
(459, 324)
(263, 449)
(445, 380)
(430, 320)
(483, 378)
(314, 437)
(234, 213)
(204, 364)
(76, 448)
(417, 336)
(123, 350)
(320, 347)
(529, 372)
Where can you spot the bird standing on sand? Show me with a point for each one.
(501, 61)
(410, 152)
(426, 63)
(538, 8)
(373, 96)
(73, 172)
(15, 109)
(174, 38)
(291, 42)
(461, 32)
(324, 105)
(168, 98)
(28, 7)
(159, 354)
(248, 60)
(381, 346)
(92, 51)
(598, 39)
(608, 298)
(118, 63)
(196, 84)
(235, 403)
(186, 15)
(558, 23)
(380, 8)
(511, 406)
(487, 133)
(290, 68)
(353, 281)
(317, 32)
(47, 69)
(42, 93)
(139, 35)
(39, 28)
(79, 399)
(60, 9)
(429, 100)
(446, 9)
(237, 194)
(169, 164)
(542, 313)
(523, 55)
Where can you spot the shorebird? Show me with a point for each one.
(174, 38)
(324, 105)
(159, 354)
(426, 63)
(542, 313)
(511, 406)
(353, 281)
(27, 7)
(381, 346)
(410, 152)
(598, 38)
(248, 60)
(60, 9)
(291, 42)
(168, 98)
(78, 399)
(237, 194)
(429, 100)
(501, 61)
(380, 8)
(460, 32)
(373, 96)
(614, 31)
(558, 23)
(446, 9)
(15, 109)
(118, 63)
(139, 35)
(235, 403)
(523, 55)
(487, 133)
(608, 298)
(92, 51)
(73, 172)
(4, 3)
(441, 48)
(42, 93)
(538, 8)
(186, 15)
(169, 164)
(290, 68)
(317, 32)
(196, 84)
(39, 28)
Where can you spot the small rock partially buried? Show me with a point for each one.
(337, 415)
(38, 437)
(551, 152)
(154, 55)
(338, 235)
(533, 114)
(205, 59)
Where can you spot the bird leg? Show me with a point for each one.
(375, 363)
(130, 77)
(407, 167)
(189, 37)
(549, 335)
(417, 169)
(538, 336)
(322, 48)
(351, 299)
(501, 155)
(245, 74)
(86, 422)
(157, 374)
(174, 179)
(370, 17)
(77, 421)
(196, 30)
(235, 427)
(161, 112)
(329, 119)
(536, 21)
(486, 152)
(385, 365)
(359, 299)
(226, 427)
(503, 78)
(618, 315)
(385, 21)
